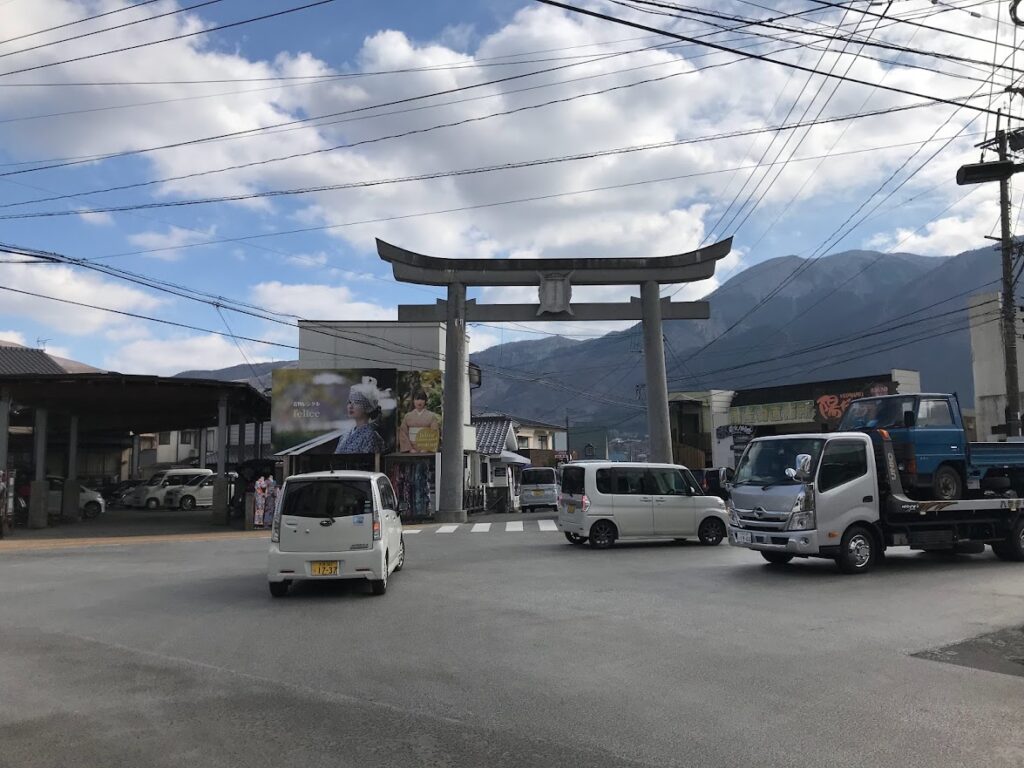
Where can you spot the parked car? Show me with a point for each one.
(197, 492)
(90, 502)
(115, 494)
(538, 487)
(336, 525)
(604, 501)
(713, 481)
(150, 494)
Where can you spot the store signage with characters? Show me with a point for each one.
(773, 413)
(830, 406)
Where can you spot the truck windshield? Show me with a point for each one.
(766, 461)
(876, 413)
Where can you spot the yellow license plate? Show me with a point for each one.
(538, 493)
(571, 509)
(324, 568)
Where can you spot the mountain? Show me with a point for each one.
(258, 374)
(863, 312)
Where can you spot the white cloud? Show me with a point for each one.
(316, 260)
(965, 228)
(317, 302)
(98, 218)
(170, 241)
(180, 353)
(73, 285)
(14, 337)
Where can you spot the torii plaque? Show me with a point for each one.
(554, 279)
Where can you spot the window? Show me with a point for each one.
(842, 461)
(630, 481)
(186, 438)
(387, 494)
(538, 476)
(588, 451)
(542, 442)
(668, 482)
(328, 498)
(524, 441)
(211, 439)
(934, 413)
(165, 438)
(573, 479)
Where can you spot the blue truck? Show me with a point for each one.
(932, 454)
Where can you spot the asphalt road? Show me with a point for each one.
(501, 649)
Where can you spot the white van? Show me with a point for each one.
(335, 525)
(538, 487)
(150, 494)
(603, 501)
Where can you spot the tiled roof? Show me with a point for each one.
(22, 360)
(491, 433)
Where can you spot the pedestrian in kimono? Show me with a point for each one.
(260, 495)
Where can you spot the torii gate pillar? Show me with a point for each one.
(554, 278)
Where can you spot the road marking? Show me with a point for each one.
(547, 525)
(447, 529)
(516, 526)
(480, 528)
(32, 545)
(412, 530)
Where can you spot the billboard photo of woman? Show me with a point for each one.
(419, 430)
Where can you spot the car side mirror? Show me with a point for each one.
(909, 419)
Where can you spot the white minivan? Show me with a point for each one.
(603, 501)
(150, 494)
(335, 525)
(538, 487)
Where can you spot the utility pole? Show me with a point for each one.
(568, 452)
(1009, 309)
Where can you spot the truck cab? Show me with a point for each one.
(928, 438)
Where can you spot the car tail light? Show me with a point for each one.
(275, 529)
(376, 525)
(585, 504)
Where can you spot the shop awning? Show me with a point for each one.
(507, 457)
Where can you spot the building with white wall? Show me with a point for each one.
(988, 364)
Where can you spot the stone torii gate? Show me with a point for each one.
(554, 279)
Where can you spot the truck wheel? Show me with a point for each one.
(858, 552)
(1012, 548)
(946, 484)
(776, 558)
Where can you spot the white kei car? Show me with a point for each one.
(335, 525)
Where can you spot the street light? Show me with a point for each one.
(978, 173)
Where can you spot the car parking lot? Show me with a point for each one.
(501, 647)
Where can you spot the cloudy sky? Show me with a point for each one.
(373, 96)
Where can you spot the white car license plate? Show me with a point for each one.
(742, 537)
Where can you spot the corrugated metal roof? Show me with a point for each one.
(491, 433)
(22, 360)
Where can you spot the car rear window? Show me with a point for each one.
(327, 498)
(572, 480)
(538, 477)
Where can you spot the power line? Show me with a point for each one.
(109, 29)
(205, 31)
(753, 56)
(423, 177)
(79, 21)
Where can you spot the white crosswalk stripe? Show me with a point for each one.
(514, 526)
(448, 529)
(480, 528)
(547, 525)
(412, 530)
(511, 526)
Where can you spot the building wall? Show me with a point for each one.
(529, 437)
(580, 437)
(382, 344)
(988, 364)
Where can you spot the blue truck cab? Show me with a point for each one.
(933, 456)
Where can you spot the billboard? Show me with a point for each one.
(356, 412)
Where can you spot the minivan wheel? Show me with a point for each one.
(152, 504)
(603, 534)
(279, 588)
(575, 538)
(91, 510)
(187, 503)
(858, 551)
(711, 532)
(401, 556)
